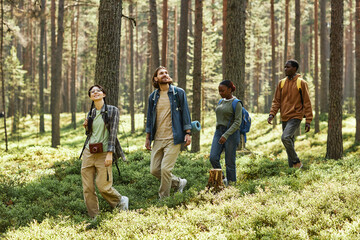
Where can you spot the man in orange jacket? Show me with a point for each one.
(292, 98)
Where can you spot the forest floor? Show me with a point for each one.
(41, 191)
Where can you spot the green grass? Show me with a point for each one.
(41, 192)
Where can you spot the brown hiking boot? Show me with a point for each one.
(298, 165)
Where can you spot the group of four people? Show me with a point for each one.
(169, 125)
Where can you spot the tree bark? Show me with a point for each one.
(297, 30)
(324, 45)
(215, 180)
(41, 67)
(334, 139)
(132, 80)
(183, 40)
(2, 70)
(155, 62)
(175, 44)
(286, 30)
(234, 67)
(225, 4)
(349, 84)
(297, 42)
(273, 54)
(74, 68)
(357, 54)
(196, 109)
(108, 49)
(164, 33)
(56, 69)
(316, 77)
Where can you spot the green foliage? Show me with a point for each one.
(41, 192)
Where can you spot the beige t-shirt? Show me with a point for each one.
(163, 118)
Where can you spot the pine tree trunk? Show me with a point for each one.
(155, 62)
(73, 101)
(297, 42)
(108, 49)
(148, 72)
(1, 69)
(164, 33)
(297, 30)
(334, 139)
(357, 54)
(56, 69)
(41, 67)
(46, 80)
(234, 67)
(286, 30)
(316, 77)
(324, 45)
(349, 83)
(183, 41)
(273, 57)
(132, 80)
(225, 7)
(196, 109)
(175, 44)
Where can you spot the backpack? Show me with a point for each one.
(246, 119)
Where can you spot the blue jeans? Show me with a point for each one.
(230, 152)
(288, 140)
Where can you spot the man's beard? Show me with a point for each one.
(166, 81)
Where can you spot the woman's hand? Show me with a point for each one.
(222, 140)
(108, 159)
(85, 123)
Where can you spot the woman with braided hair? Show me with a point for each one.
(227, 134)
(101, 126)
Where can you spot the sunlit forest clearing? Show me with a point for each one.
(52, 52)
(42, 192)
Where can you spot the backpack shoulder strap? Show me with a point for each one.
(298, 83)
(220, 101)
(282, 82)
(234, 103)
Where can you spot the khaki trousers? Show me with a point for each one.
(163, 158)
(93, 168)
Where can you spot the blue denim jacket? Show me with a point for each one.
(180, 117)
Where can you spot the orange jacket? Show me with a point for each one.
(288, 100)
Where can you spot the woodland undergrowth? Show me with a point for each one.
(41, 192)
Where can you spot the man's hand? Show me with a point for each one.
(85, 123)
(187, 140)
(222, 140)
(270, 118)
(108, 159)
(147, 144)
(307, 127)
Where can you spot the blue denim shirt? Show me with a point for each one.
(180, 117)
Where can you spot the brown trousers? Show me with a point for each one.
(93, 168)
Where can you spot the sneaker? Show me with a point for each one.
(298, 165)
(182, 185)
(123, 205)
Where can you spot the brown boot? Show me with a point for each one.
(298, 165)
